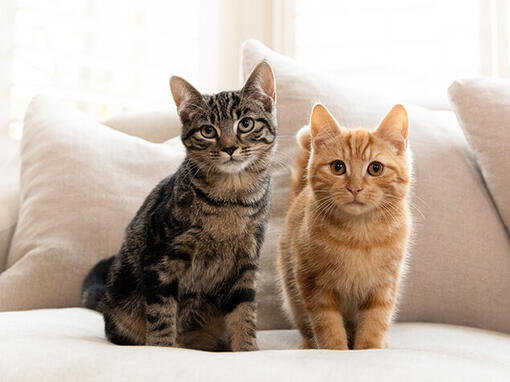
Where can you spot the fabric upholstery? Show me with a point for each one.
(459, 258)
(69, 345)
(9, 194)
(483, 108)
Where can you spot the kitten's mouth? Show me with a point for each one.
(233, 165)
(355, 203)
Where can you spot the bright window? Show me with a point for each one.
(102, 56)
(414, 48)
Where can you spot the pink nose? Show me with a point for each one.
(354, 190)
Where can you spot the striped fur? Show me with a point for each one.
(185, 273)
(341, 252)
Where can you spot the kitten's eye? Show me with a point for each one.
(337, 167)
(208, 131)
(375, 168)
(245, 125)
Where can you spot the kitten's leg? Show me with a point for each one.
(240, 317)
(327, 322)
(161, 310)
(303, 324)
(300, 316)
(374, 319)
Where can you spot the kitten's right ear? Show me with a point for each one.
(183, 93)
(323, 125)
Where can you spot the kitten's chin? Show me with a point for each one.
(355, 208)
(232, 167)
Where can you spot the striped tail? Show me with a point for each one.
(299, 172)
(94, 285)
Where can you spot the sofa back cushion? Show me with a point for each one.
(482, 106)
(154, 126)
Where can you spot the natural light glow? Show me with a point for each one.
(103, 56)
(411, 47)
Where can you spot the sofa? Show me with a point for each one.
(69, 188)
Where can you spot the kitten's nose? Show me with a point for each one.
(229, 150)
(354, 190)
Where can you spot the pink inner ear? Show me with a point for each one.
(322, 134)
(323, 125)
(394, 128)
(394, 137)
(260, 85)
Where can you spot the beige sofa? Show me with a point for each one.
(446, 294)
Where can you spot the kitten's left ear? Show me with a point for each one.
(182, 91)
(185, 96)
(323, 125)
(261, 85)
(393, 128)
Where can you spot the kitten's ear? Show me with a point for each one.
(261, 85)
(323, 125)
(393, 128)
(184, 93)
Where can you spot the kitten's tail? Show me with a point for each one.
(94, 285)
(300, 169)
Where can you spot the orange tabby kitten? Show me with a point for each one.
(342, 249)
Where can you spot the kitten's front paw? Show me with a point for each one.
(369, 344)
(307, 343)
(333, 345)
(162, 342)
(245, 346)
(339, 346)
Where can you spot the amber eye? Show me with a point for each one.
(208, 131)
(337, 167)
(375, 168)
(246, 125)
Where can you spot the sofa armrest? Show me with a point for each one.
(9, 194)
(153, 126)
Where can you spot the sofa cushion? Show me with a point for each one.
(69, 345)
(459, 258)
(154, 126)
(483, 108)
(9, 194)
(81, 184)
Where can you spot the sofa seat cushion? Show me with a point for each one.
(69, 345)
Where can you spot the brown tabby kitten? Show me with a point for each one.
(342, 249)
(185, 273)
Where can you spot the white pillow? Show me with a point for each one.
(81, 184)
(154, 126)
(483, 109)
(459, 262)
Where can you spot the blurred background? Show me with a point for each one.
(109, 56)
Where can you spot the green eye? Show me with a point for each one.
(375, 168)
(245, 125)
(337, 167)
(208, 131)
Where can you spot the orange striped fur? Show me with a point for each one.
(341, 253)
